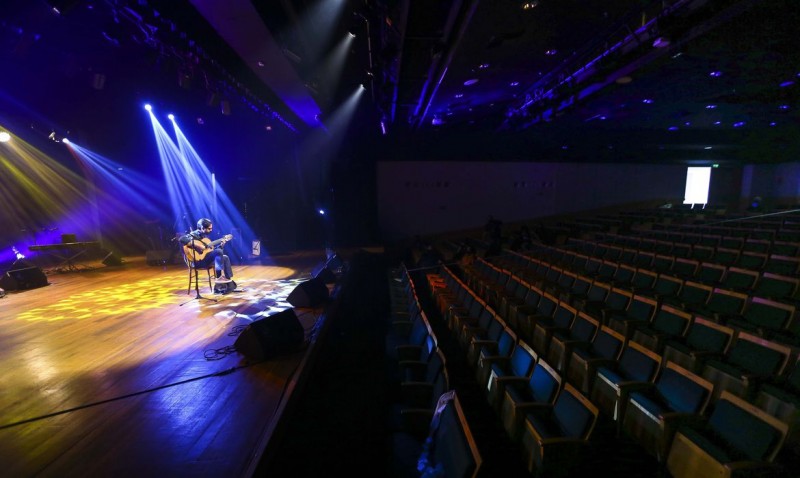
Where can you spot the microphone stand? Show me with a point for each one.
(196, 275)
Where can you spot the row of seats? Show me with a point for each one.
(667, 240)
(430, 433)
(551, 424)
(666, 256)
(766, 310)
(609, 367)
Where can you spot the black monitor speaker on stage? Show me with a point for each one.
(112, 259)
(310, 293)
(323, 273)
(274, 335)
(23, 278)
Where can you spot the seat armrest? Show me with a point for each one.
(634, 386)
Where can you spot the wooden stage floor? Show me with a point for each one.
(111, 372)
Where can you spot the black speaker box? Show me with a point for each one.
(112, 259)
(335, 262)
(25, 278)
(323, 273)
(310, 293)
(277, 334)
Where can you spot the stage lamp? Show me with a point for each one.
(4, 137)
(171, 117)
(148, 107)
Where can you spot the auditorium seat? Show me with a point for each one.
(669, 323)
(778, 287)
(722, 303)
(739, 439)
(685, 268)
(563, 342)
(740, 280)
(783, 265)
(704, 339)
(639, 312)
(754, 261)
(504, 369)
(490, 352)
(541, 388)
(709, 273)
(747, 363)
(413, 408)
(555, 440)
(543, 327)
(474, 338)
(546, 308)
(780, 397)
(692, 295)
(636, 367)
(603, 350)
(764, 317)
(478, 315)
(449, 449)
(655, 411)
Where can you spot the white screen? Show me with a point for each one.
(697, 181)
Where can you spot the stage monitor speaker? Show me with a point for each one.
(25, 278)
(310, 293)
(112, 259)
(323, 273)
(335, 262)
(274, 335)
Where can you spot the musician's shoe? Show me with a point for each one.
(223, 280)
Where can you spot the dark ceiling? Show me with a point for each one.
(623, 80)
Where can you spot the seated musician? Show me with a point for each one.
(202, 252)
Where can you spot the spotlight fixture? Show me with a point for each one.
(4, 137)
(661, 42)
(171, 117)
(148, 107)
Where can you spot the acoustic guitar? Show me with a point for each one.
(198, 249)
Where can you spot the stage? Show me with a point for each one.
(116, 370)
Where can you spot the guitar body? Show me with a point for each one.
(198, 249)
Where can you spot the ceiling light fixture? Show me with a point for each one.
(470, 82)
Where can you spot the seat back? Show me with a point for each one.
(575, 414)
(765, 434)
(637, 363)
(707, 336)
(584, 328)
(682, 390)
(769, 314)
(758, 356)
(740, 279)
(451, 449)
(709, 273)
(522, 360)
(644, 279)
(545, 383)
(776, 286)
(695, 293)
(607, 344)
(685, 268)
(726, 302)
